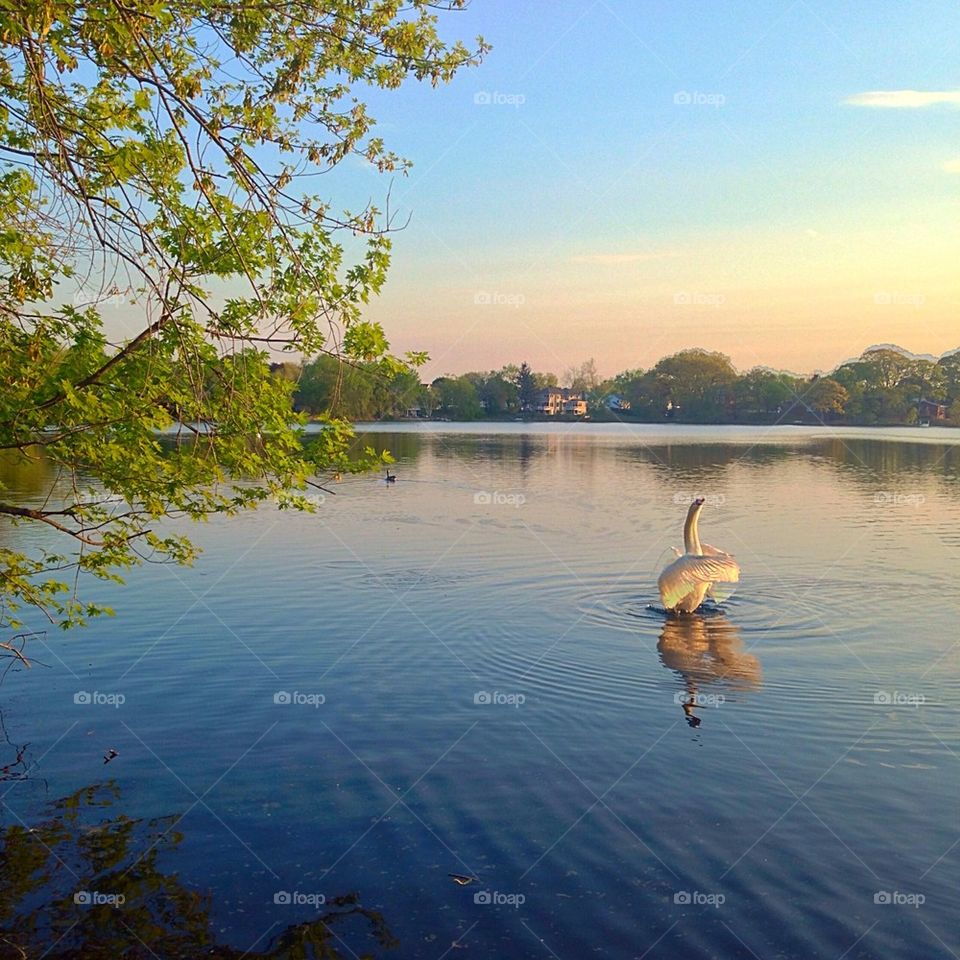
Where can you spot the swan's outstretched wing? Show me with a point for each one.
(709, 551)
(718, 592)
(691, 571)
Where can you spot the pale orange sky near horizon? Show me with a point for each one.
(798, 300)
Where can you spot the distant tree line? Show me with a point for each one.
(882, 386)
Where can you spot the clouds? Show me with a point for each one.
(909, 100)
(904, 99)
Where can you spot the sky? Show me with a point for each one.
(621, 180)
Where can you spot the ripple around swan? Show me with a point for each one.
(407, 579)
(574, 635)
(558, 675)
(772, 607)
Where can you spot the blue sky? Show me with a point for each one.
(621, 180)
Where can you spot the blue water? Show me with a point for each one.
(475, 679)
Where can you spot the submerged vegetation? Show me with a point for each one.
(89, 881)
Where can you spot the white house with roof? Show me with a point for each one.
(553, 401)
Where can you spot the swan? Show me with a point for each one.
(686, 581)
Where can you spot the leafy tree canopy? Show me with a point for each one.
(156, 168)
(456, 398)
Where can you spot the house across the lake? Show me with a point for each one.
(931, 410)
(613, 401)
(553, 401)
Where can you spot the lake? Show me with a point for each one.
(447, 714)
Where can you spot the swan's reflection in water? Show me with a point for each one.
(707, 651)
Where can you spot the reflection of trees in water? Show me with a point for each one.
(673, 461)
(703, 463)
(871, 462)
(708, 654)
(874, 461)
(698, 456)
(877, 464)
(403, 446)
(14, 762)
(523, 449)
(526, 451)
(48, 866)
(869, 459)
(23, 475)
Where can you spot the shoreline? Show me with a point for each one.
(667, 433)
(680, 424)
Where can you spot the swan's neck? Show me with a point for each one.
(691, 536)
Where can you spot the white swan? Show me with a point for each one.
(690, 577)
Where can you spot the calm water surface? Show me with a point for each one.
(474, 679)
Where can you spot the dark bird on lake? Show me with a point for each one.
(390, 477)
(109, 755)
